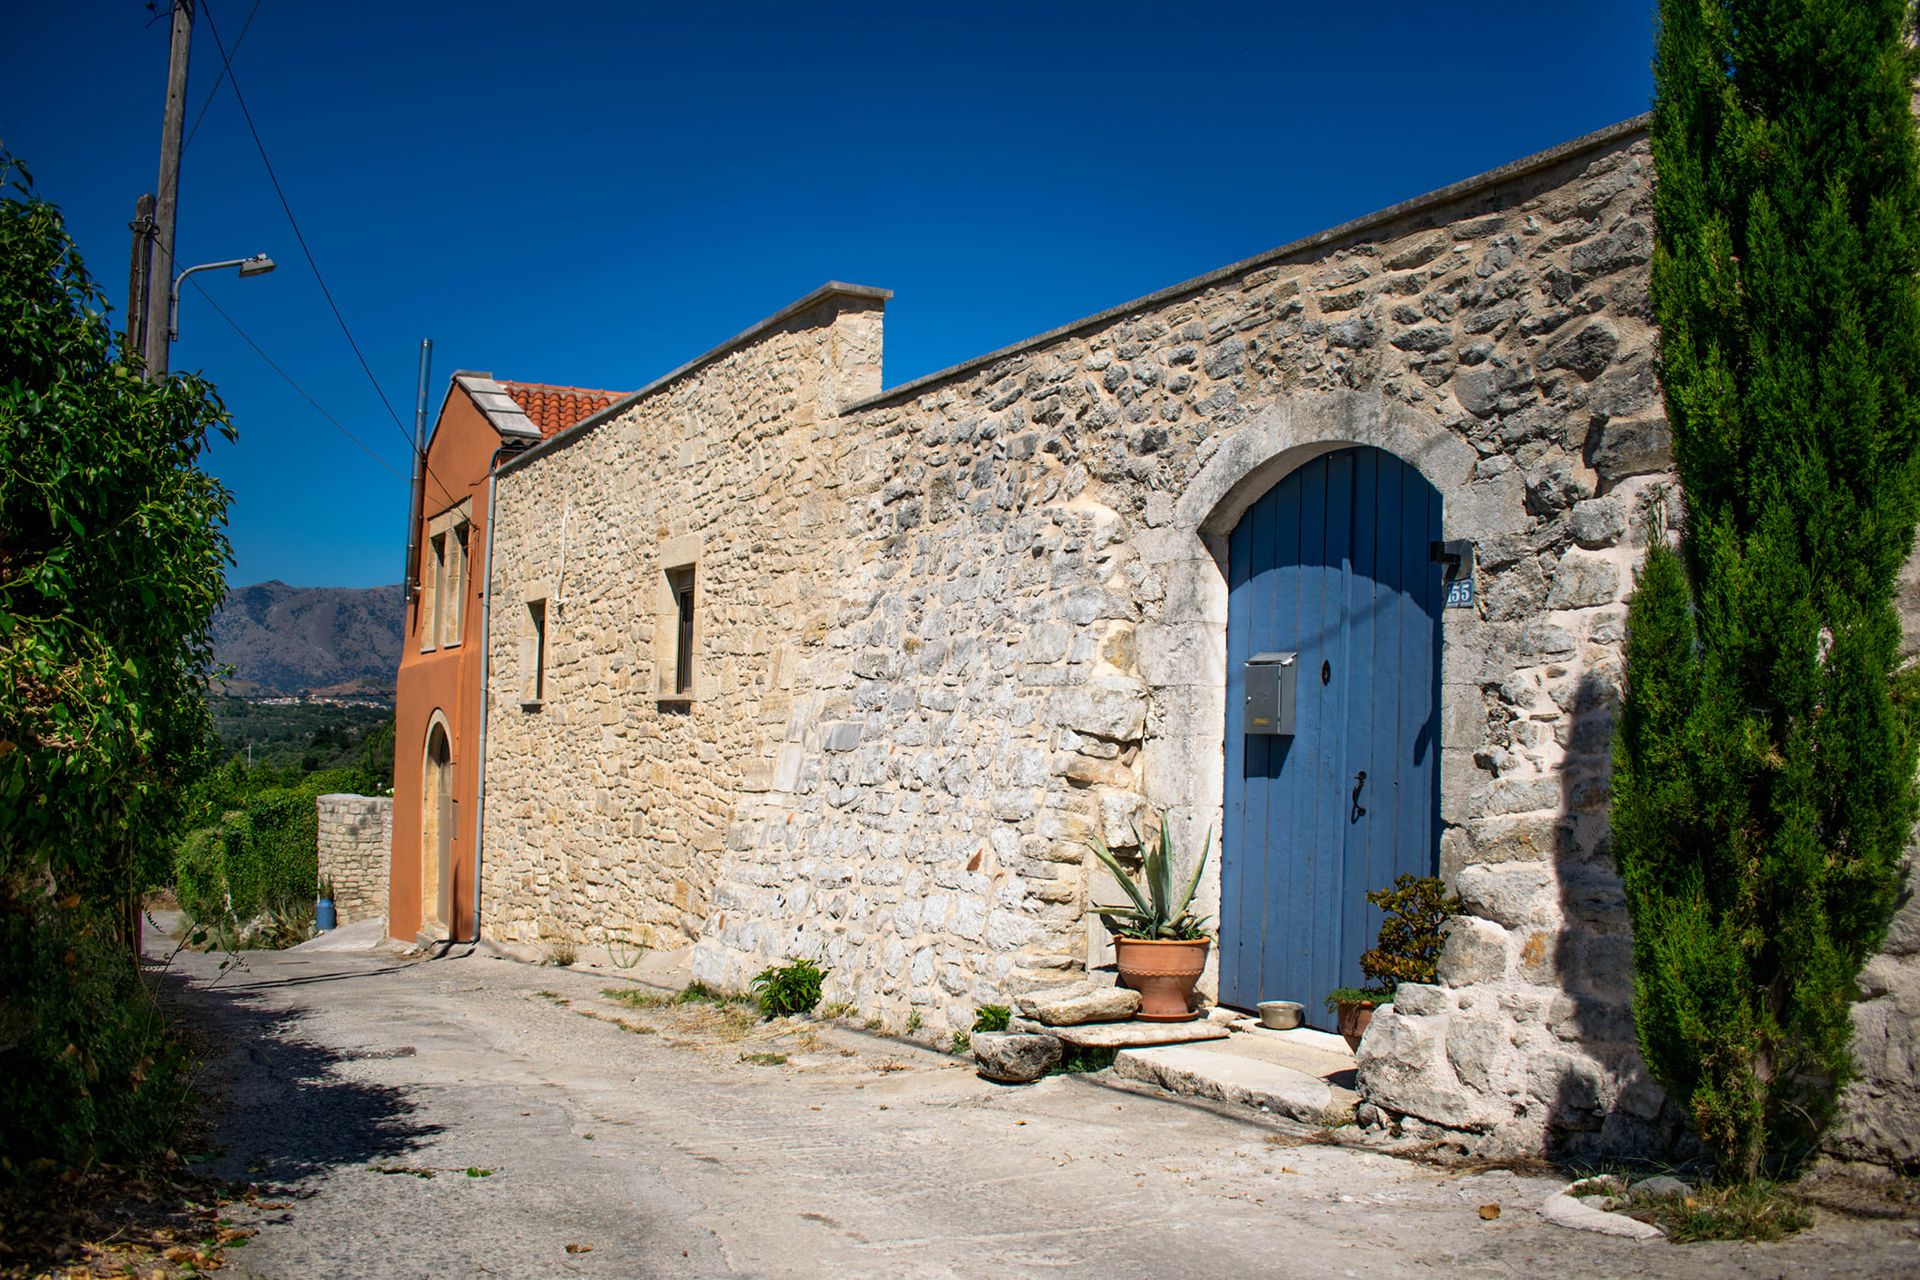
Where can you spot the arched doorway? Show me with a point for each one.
(1332, 564)
(436, 831)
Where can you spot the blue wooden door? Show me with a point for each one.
(1333, 563)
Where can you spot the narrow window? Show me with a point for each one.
(680, 582)
(456, 576)
(436, 589)
(536, 687)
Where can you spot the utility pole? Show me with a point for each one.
(160, 260)
(142, 228)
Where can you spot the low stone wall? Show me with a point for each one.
(356, 835)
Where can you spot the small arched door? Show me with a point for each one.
(436, 830)
(1334, 564)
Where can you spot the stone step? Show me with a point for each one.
(1125, 1035)
(1245, 1082)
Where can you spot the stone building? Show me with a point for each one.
(785, 663)
(429, 882)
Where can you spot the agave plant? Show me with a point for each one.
(1156, 913)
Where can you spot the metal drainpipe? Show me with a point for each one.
(486, 700)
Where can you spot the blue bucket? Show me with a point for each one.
(324, 917)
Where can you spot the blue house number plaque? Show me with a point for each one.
(1460, 593)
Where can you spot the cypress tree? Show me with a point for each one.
(1764, 763)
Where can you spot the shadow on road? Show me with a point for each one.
(281, 1107)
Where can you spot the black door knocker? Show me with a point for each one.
(1326, 672)
(1359, 784)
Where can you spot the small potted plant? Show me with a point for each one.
(324, 916)
(1407, 950)
(1159, 944)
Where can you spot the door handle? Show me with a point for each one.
(1359, 785)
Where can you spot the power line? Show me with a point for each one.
(233, 82)
(222, 77)
(288, 379)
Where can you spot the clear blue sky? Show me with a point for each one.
(592, 194)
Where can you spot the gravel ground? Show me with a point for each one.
(359, 1090)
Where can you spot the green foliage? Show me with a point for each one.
(1358, 995)
(914, 1022)
(1763, 763)
(254, 846)
(1412, 933)
(1075, 1060)
(287, 736)
(111, 566)
(960, 1042)
(1759, 1210)
(992, 1017)
(788, 988)
(1159, 912)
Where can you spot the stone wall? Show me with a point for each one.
(356, 839)
(1024, 628)
(609, 800)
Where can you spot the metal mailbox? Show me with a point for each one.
(1271, 692)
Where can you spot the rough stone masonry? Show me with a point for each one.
(355, 844)
(947, 631)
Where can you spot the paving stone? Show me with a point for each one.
(1246, 1082)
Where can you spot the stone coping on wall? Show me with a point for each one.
(1489, 180)
(831, 289)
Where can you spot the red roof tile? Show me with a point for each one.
(554, 409)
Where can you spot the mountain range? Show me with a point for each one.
(327, 641)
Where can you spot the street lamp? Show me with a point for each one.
(258, 265)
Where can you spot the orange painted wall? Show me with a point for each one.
(445, 680)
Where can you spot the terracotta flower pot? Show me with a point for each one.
(1163, 972)
(1353, 1020)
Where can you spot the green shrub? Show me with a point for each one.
(789, 989)
(111, 567)
(1764, 760)
(1411, 934)
(992, 1017)
(258, 848)
(92, 1073)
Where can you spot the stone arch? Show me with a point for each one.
(1183, 653)
(436, 822)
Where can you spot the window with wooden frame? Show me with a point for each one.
(680, 586)
(443, 593)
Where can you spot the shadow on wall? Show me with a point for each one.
(1599, 1096)
(287, 1110)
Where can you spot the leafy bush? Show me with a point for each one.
(258, 848)
(789, 989)
(992, 1017)
(111, 566)
(92, 1072)
(1411, 935)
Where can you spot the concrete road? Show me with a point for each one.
(361, 1089)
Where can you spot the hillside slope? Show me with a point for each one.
(292, 640)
